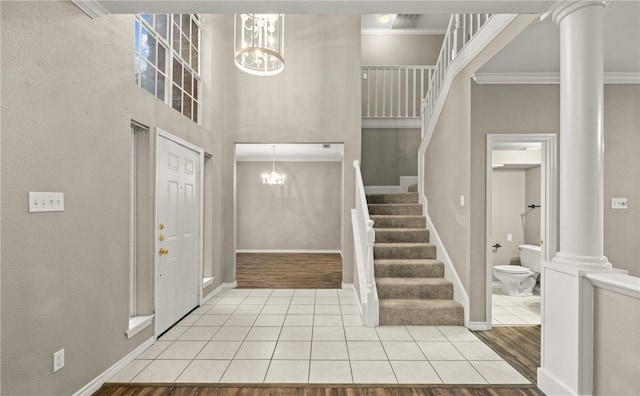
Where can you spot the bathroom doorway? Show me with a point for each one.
(521, 195)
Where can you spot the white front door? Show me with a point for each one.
(178, 257)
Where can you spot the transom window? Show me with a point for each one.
(167, 59)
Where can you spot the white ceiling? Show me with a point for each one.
(321, 6)
(537, 49)
(427, 24)
(290, 152)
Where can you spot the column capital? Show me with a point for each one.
(571, 6)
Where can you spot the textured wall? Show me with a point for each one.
(616, 345)
(68, 98)
(622, 175)
(316, 99)
(400, 49)
(452, 169)
(302, 214)
(388, 154)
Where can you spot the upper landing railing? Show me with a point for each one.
(394, 91)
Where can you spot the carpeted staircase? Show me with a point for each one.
(410, 280)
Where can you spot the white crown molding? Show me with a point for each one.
(93, 8)
(406, 32)
(547, 78)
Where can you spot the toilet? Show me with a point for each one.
(520, 280)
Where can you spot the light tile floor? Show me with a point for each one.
(507, 310)
(310, 336)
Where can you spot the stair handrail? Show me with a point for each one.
(461, 29)
(364, 238)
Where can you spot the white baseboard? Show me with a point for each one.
(348, 286)
(479, 326)
(97, 382)
(288, 251)
(459, 293)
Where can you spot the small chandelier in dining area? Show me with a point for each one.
(273, 178)
(259, 43)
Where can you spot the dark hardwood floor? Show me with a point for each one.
(518, 345)
(308, 390)
(289, 270)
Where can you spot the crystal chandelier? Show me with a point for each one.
(259, 43)
(273, 177)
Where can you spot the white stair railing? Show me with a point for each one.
(462, 28)
(394, 91)
(364, 236)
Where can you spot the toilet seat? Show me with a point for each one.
(512, 269)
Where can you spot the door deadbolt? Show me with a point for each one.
(161, 238)
(162, 252)
(161, 226)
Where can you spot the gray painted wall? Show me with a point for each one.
(451, 169)
(532, 216)
(400, 49)
(316, 99)
(303, 214)
(508, 197)
(68, 98)
(388, 154)
(616, 348)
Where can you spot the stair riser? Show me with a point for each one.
(392, 198)
(399, 209)
(409, 271)
(422, 317)
(407, 292)
(409, 236)
(404, 252)
(400, 222)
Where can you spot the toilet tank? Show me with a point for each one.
(530, 257)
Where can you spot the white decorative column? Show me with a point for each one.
(567, 317)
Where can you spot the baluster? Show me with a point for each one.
(368, 92)
(399, 71)
(375, 113)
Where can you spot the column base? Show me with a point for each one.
(586, 263)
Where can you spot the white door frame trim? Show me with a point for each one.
(549, 176)
(162, 133)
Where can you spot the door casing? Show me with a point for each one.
(548, 226)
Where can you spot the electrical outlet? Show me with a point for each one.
(58, 360)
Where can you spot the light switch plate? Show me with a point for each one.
(46, 202)
(618, 203)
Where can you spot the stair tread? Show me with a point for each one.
(392, 194)
(391, 281)
(395, 204)
(398, 302)
(383, 229)
(394, 216)
(402, 244)
(407, 261)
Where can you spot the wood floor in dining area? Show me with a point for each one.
(289, 270)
